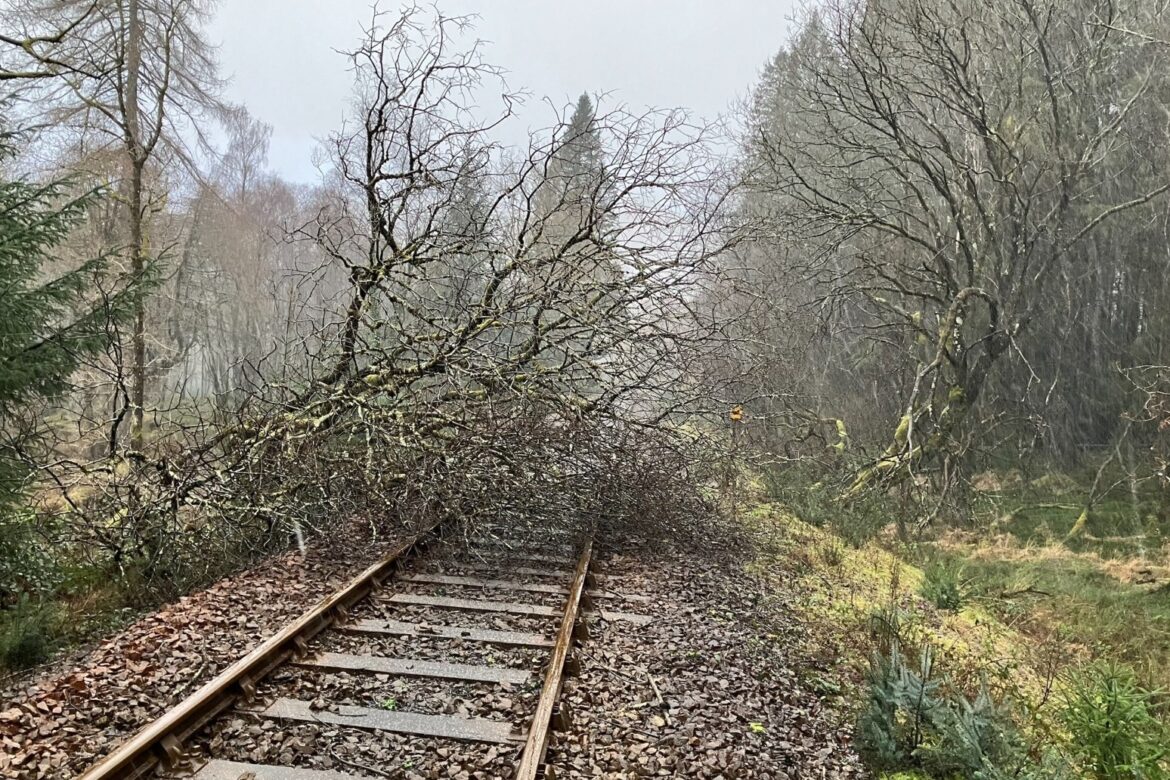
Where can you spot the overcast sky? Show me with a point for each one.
(699, 54)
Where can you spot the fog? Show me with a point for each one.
(283, 59)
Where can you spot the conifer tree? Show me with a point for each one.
(573, 199)
(578, 161)
(51, 321)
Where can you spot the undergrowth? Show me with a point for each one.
(942, 586)
(914, 719)
(28, 633)
(54, 596)
(1016, 635)
(1115, 733)
(814, 502)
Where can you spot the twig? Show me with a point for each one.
(657, 738)
(615, 671)
(198, 673)
(355, 764)
(1007, 594)
(658, 695)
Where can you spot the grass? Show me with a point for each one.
(1103, 593)
(55, 596)
(26, 634)
(844, 588)
(1011, 599)
(1129, 521)
(84, 604)
(1052, 594)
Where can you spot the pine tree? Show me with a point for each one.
(567, 200)
(50, 322)
(466, 226)
(578, 161)
(573, 198)
(586, 272)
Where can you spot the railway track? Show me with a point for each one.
(443, 659)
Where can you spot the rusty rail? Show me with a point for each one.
(163, 739)
(532, 759)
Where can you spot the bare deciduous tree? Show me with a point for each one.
(126, 77)
(502, 337)
(944, 164)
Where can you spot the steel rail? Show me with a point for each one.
(536, 746)
(163, 739)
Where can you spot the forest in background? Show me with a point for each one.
(954, 343)
(926, 264)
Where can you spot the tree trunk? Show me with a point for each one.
(137, 241)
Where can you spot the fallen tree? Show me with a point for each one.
(504, 335)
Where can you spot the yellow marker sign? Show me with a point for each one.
(736, 413)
